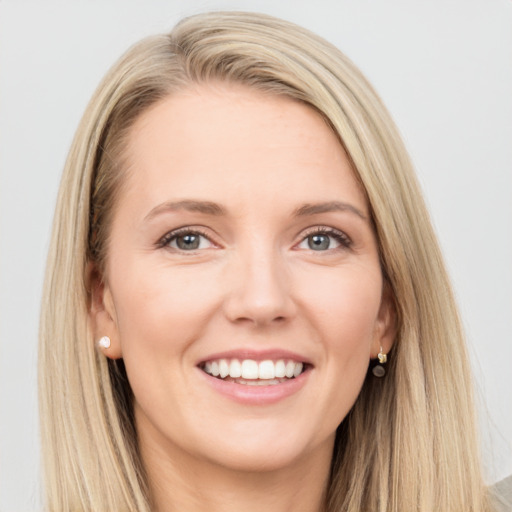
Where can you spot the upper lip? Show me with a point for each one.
(257, 355)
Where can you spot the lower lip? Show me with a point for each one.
(257, 395)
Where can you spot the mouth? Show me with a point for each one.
(250, 372)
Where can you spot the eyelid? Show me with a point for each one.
(165, 240)
(344, 240)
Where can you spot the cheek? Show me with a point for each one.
(161, 311)
(345, 303)
(345, 316)
(160, 316)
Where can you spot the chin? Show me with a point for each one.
(260, 449)
(258, 460)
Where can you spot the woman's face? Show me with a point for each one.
(241, 244)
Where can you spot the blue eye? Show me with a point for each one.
(319, 242)
(186, 240)
(325, 240)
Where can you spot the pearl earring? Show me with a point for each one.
(104, 342)
(378, 370)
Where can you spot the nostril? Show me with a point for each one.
(258, 320)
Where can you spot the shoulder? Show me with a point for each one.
(502, 495)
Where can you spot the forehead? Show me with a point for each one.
(223, 138)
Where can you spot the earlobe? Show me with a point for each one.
(386, 327)
(102, 314)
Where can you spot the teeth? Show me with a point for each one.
(235, 369)
(249, 369)
(290, 369)
(280, 369)
(266, 370)
(251, 372)
(223, 368)
(257, 382)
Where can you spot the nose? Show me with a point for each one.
(260, 291)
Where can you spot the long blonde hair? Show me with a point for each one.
(409, 443)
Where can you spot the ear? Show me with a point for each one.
(386, 325)
(102, 313)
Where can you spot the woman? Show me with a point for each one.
(245, 304)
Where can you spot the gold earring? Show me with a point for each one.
(378, 370)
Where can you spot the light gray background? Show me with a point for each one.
(444, 69)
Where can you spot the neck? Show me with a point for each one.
(180, 482)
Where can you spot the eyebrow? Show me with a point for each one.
(206, 207)
(331, 206)
(211, 208)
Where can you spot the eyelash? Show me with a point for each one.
(172, 235)
(337, 235)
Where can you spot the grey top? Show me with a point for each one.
(502, 492)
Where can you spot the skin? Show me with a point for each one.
(254, 283)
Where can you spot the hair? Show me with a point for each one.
(409, 442)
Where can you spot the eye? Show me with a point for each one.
(186, 240)
(323, 239)
(319, 242)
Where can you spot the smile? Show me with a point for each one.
(253, 373)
